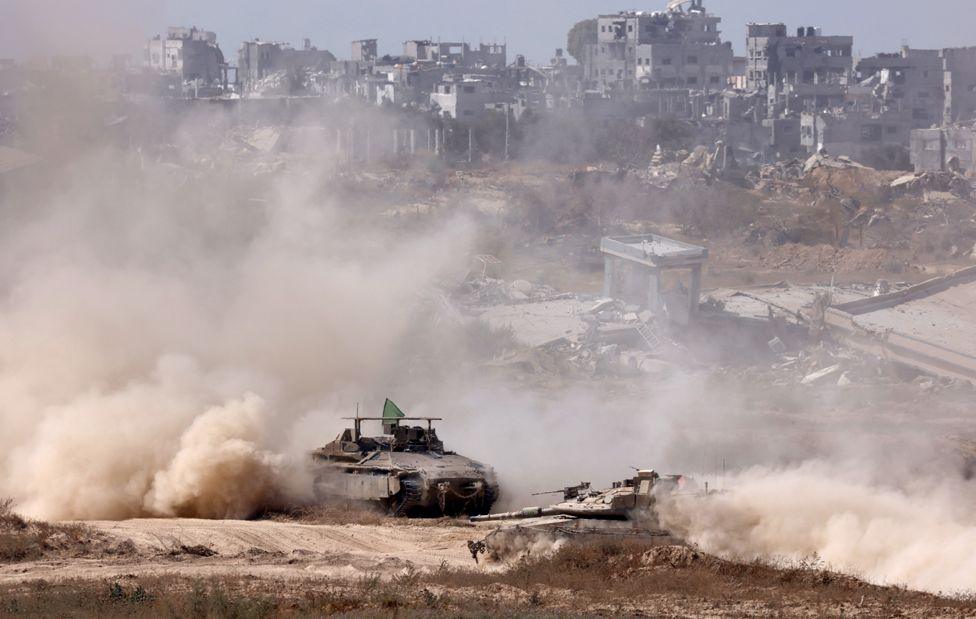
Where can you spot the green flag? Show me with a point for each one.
(391, 412)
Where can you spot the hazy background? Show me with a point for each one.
(532, 27)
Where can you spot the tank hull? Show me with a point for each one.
(410, 484)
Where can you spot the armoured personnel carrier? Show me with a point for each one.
(406, 469)
(625, 510)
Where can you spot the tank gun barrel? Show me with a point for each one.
(528, 512)
(539, 512)
(569, 492)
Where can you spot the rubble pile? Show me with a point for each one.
(619, 339)
(949, 182)
(791, 170)
(611, 338)
(490, 291)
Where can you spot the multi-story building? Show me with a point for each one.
(470, 99)
(937, 86)
(807, 72)
(959, 74)
(911, 80)
(676, 48)
(364, 50)
(191, 54)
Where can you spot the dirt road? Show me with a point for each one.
(259, 548)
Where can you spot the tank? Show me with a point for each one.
(406, 470)
(626, 510)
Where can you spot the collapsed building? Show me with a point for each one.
(927, 327)
(460, 54)
(267, 67)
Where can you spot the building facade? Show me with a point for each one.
(191, 54)
(951, 147)
(807, 72)
(664, 49)
(854, 134)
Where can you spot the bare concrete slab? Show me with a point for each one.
(931, 326)
(536, 324)
(780, 299)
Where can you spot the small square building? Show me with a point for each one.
(654, 272)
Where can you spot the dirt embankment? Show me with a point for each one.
(208, 548)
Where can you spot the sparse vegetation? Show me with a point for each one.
(598, 578)
(582, 33)
(22, 539)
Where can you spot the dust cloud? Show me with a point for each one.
(161, 333)
(919, 533)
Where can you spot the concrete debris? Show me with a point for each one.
(601, 305)
(263, 140)
(491, 291)
(948, 181)
(821, 160)
(777, 346)
(568, 332)
(785, 170)
(811, 379)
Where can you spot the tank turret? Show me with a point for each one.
(625, 510)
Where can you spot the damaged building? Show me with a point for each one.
(854, 134)
(459, 54)
(471, 98)
(936, 86)
(806, 72)
(192, 56)
(266, 67)
(908, 81)
(951, 147)
(676, 48)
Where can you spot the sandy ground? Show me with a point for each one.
(261, 549)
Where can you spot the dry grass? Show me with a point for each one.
(358, 513)
(27, 540)
(336, 512)
(598, 578)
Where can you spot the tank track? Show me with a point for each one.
(409, 498)
(484, 506)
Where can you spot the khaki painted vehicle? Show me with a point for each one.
(406, 470)
(626, 510)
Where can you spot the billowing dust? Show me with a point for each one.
(918, 533)
(159, 340)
